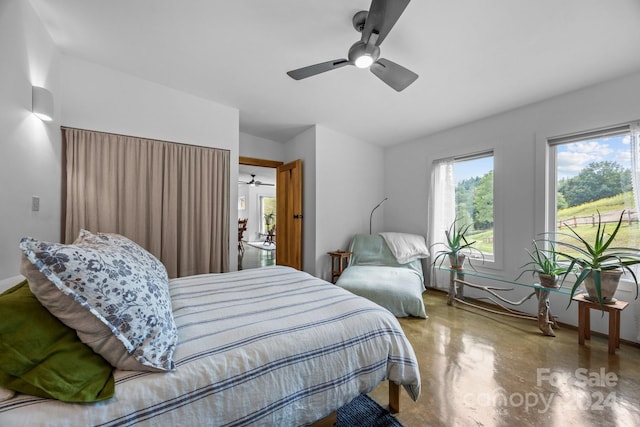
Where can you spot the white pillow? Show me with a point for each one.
(406, 247)
(112, 292)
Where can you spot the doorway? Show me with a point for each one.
(257, 204)
(284, 228)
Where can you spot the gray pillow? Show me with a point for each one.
(112, 292)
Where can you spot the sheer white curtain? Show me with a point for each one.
(635, 162)
(635, 176)
(442, 201)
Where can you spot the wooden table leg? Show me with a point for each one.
(617, 329)
(614, 331)
(583, 315)
(452, 288)
(543, 312)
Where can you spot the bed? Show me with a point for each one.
(269, 346)
(386, 269)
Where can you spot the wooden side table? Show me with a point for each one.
(339, 261)
(584, 320)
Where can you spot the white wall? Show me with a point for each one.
(102, 99)
(349, 183)
(29, 148)
(515, 137)
(342, 182)
(303, 147)
(86, 96)
(257, 148)
(260, 148)
(99, 98)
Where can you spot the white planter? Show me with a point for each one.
(609, 280)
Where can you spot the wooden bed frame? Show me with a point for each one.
(394, 407)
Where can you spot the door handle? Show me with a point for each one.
(297, 216)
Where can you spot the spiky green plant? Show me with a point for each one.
(597, 256)
(544, 261)
(456, 243)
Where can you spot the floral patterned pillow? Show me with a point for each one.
(112, 291)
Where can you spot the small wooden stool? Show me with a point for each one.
(584, 320)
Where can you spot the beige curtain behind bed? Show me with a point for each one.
(172, 199)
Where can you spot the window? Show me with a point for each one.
(268, 213)
(592, 173)
(463, 190)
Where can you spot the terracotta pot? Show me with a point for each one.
(609, 280)
(457, 264)
(548, 280)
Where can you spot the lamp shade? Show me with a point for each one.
(42, 103)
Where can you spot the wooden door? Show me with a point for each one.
(289, 215)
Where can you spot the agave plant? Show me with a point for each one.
(456, 243)
(544, 262)
(592, 259)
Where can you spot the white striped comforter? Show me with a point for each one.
(271, 346)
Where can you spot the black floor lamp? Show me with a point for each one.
(371, 216)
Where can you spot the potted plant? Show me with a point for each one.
(599, 264)
(546, 263)
(456, 243)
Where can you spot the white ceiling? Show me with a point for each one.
(474, 58)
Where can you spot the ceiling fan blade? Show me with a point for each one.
(393, 74)
(382, 16)
(312, 70)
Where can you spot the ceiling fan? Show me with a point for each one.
(365, 53)
(255, 183)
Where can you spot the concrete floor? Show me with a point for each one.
(255, 258)
(482, 369)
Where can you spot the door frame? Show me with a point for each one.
(250, 161)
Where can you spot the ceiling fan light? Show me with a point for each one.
(362, 55)
(364, 61)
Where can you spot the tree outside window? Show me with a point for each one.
(593, 176)
(474, 199)
(463, 190)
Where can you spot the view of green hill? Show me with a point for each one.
(609, 204)
(610, 209)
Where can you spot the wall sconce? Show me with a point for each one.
(42, 103)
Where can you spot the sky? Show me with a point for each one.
(572, 158)
(472, 168)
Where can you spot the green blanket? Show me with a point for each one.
(374, 273)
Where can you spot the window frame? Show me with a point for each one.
(546, 154)
(498, 223)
